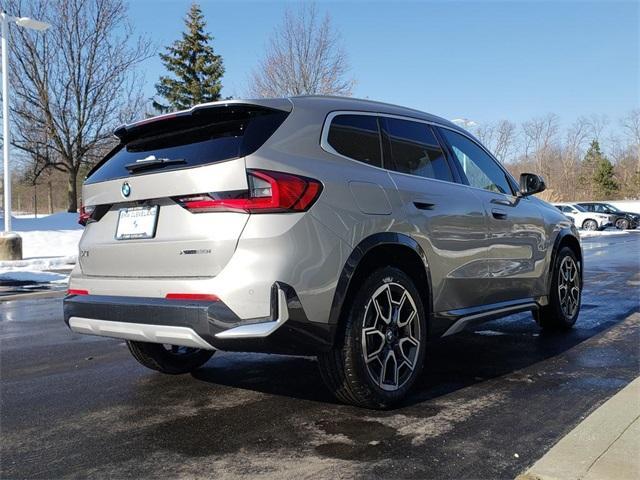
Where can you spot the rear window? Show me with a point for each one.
(202, 137)
(356, 137)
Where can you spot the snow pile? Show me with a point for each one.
(48, 243)
(603, 233)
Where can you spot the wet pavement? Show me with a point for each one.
(489, 404)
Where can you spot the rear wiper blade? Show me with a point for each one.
(152, 162)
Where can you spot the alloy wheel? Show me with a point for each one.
(622, 224)
(391, 336)
(590, 225)
(569, 287)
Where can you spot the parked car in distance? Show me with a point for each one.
(585, 219)
(622, 220)
(346, 229)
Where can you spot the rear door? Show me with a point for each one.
(140, 224)
(517, 237)
(449, 218)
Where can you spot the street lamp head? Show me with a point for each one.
(31, 23)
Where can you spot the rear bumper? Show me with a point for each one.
(208, 325)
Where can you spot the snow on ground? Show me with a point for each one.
(603, 233)
(48, 243)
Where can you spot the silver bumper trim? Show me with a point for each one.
(141, 332)
(263, 329)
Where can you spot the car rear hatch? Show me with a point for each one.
(137, 223)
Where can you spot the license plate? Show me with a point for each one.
(137, 222)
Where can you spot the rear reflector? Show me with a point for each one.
(85, 214)
(269, 192)
(203, 297)
(73, 291)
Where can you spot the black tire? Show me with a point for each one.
(590, 225)
(344, 369)
(556, 315)
(169, 359)
(622, 224)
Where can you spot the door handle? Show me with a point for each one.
(501, 201)
(423, 205)
(499, 214)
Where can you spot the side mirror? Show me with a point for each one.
(531, 183)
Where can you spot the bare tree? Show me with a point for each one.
(72, 84)
(540, 135)
(597, 124)
(498, 137)
(304, 57)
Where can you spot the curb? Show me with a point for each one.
(604, 445)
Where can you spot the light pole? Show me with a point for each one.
(11, 244)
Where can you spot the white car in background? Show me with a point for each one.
(584, 219)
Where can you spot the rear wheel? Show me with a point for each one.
(381, 352)
(172, 359)
(566, 293)
(591, 225)
(622, 223)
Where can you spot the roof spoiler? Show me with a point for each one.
(129, 130)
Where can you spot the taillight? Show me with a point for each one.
(269, 192)
(73, 291)
(85, 214)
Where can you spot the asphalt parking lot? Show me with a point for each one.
(489, 404)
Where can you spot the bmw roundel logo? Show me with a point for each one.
(126, 189)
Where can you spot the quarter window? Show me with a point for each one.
(357, 137)
(480, 169)
(415, 150)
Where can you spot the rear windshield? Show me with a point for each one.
(203, 137)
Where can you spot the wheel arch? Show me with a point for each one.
(382, 249)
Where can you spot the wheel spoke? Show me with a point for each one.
(387, 293)
(409, 362)
(388, 360)
(367, 340)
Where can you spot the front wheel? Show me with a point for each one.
(170, 359)
(566, 293)
(590, 225)
(381, 351)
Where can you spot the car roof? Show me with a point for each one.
(325, 103)
(333, 103)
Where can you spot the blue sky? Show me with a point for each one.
(483, 60)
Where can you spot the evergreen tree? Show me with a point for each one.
(599, 173)
(604, 179)
(196, 70)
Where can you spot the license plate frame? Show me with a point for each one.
(133, 231)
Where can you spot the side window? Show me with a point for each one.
(480, 169)
(415, 150)
(357, 137)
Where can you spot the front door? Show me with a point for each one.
(517, 238)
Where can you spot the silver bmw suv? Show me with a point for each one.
(347, 229)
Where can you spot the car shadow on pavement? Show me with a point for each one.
(452, 363)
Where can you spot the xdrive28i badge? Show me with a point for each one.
(126, 189)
